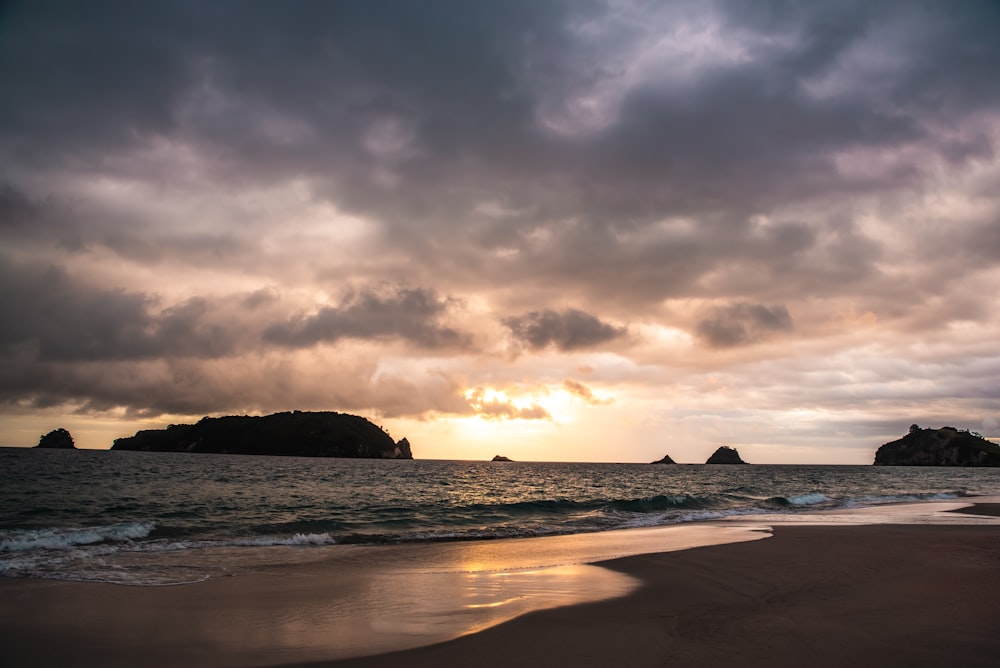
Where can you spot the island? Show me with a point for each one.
(946, 446)
(665, 460)
(296, 433)
(725, 455)
(501, 458)
(57, 439)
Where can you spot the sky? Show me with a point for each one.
(558, 231)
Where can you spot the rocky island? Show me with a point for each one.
(57, 439)
(725, 455)
(665, 460)
(501, 458)
(946, 446)
(298, 433)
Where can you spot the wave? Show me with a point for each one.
(21, 540)
(812, 499)
(469, 522)
(807, 500)
(861, 501)
(297, 539)
(111, 553)
(542, 517)
(568, 506)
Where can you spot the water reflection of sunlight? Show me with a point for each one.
(494, 604)
(343, 601)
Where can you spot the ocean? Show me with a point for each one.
(164, 518)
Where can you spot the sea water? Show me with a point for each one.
(169, 518)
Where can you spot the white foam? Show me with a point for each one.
(863, 501)
(297, 539)
(808, 499)
(22, 540)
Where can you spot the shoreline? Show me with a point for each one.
(849, 593)
(870, 595)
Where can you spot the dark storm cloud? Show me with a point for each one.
(571, 329)
(412, 314)
(66, 320)
(416, 114)
(16, 210)
(73, 224)
(741, 324)
(26, 218)
(115, 74)
(437, 104)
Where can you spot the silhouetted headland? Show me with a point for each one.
(946, 446)
(299, 433)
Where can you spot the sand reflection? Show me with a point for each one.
(289, 605)
(418, 608)
(407, 596)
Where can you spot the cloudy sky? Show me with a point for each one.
(597, 231)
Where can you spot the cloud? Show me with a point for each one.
(497, 406)
(581, 391)
(69, 320)
(743, 324)
(189, 191)
(709, 113)
(372, 102)
(412, 314)
(346, 380)
(567, 330)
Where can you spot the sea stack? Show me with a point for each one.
(57, 439)
(725, 455)
(946, 446)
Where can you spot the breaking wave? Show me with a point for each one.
(20, 540)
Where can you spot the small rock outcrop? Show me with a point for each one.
(500, 458)
(401, 451)
(725, 455)
(666, 460)
(946, 446)
(298, 434)
(57, 439)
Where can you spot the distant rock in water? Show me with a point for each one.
(57, 439)
(401, 451)
(666, 460)
(946, 446)
(299, 434)
(725, 455)
(500, 458)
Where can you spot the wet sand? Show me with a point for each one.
(985, 509)
(853, 596)
(882, 595)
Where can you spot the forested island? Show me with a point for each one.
(298, 433)
(946, 446)
(57, 439)
(725, 455)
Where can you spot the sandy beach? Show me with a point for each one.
(817, 596)
(882, 595)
